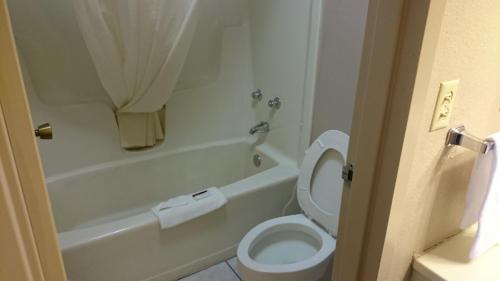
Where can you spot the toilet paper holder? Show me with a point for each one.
(459, 136)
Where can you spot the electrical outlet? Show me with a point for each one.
(444, 104)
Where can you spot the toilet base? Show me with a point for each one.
(309, 275)
(328, 275)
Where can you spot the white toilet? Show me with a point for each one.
(301, 247)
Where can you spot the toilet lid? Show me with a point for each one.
(320, 184)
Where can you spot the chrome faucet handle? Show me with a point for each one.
(274, 103)
(257, 95)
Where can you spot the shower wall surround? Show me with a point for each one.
(263, 44)
(284, 51)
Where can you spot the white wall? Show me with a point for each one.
(64, 89)
(342, 34)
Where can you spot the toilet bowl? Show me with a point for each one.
(301, 247)
(286, 248)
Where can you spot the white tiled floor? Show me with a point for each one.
(225, 271)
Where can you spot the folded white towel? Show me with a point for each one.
(187, 207)
(483, 200)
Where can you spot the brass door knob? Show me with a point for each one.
(44, 132)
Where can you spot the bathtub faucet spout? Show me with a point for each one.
(262, 127)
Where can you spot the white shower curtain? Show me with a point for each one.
(138, 48)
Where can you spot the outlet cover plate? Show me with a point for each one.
(444, 104)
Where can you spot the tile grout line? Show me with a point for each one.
(234, 271)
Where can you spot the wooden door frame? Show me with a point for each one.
(398, 54)
(40, 240)
(19, 257)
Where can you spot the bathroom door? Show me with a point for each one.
(29, 248)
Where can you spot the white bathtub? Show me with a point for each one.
(107, 232)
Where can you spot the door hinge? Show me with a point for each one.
(348, 173)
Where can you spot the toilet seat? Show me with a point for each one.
(295, 223)
(330, 140)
